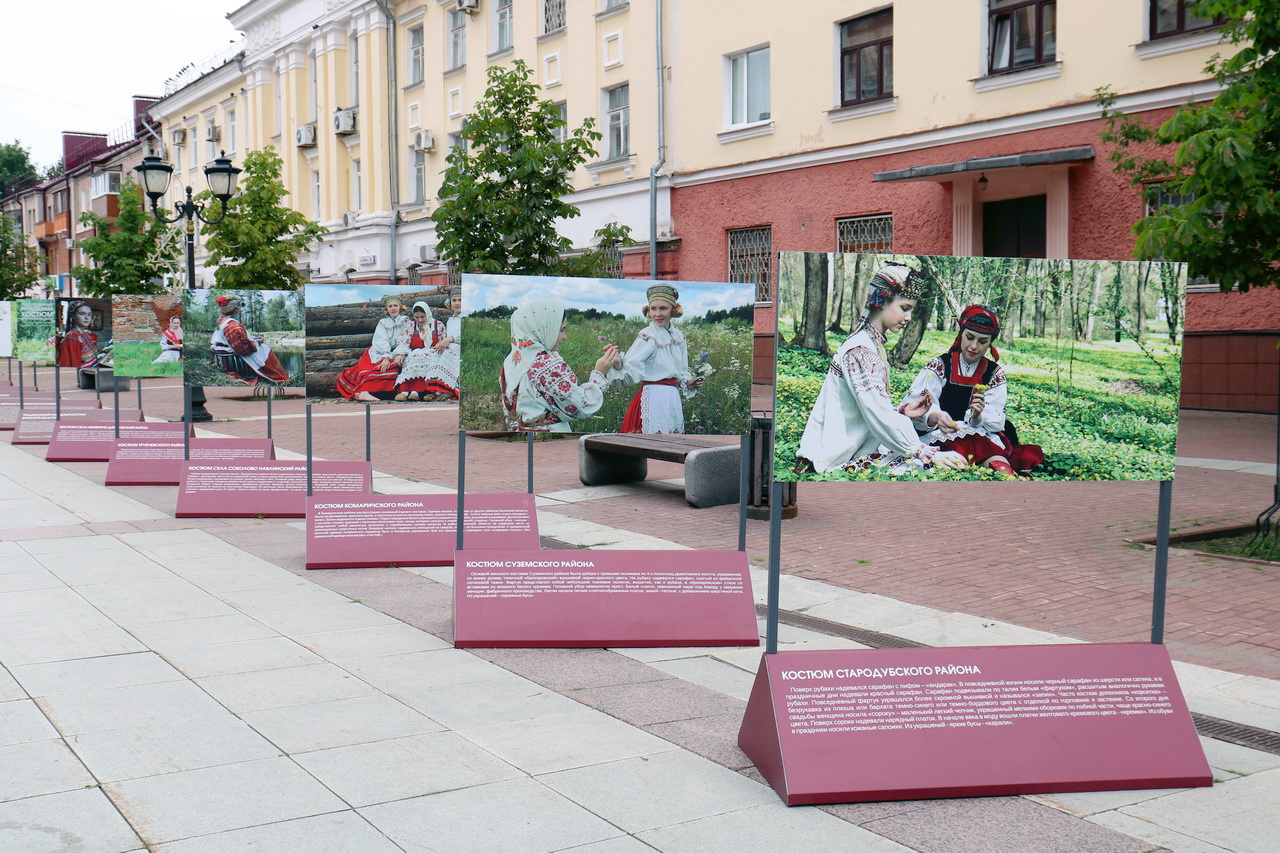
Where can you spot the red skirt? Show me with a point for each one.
(978, 449)
(633, 421)
(365, 376)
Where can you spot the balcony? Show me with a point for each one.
(61, 223)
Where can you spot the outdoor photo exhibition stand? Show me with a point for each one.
(897, 724)
(157, 460)
(36, 426)
(604, 598)
(267, 489)
(75, 441)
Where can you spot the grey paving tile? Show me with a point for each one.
(128, 707)
(156, 600)
(398, 769)
(659, 702)
(192, 803)
(280, 688)
(99, 673)
(564, 741)
(340, 832)
(22, 721)
(40, 599)
(68, 645)
(80, 618)
(293, 593)
(80, 821)
(768, 828)
(621, 844)
(1001, 825)
(1157, 836)
(1237, 760)
(534, 819)
(714, 737)
(117, 565)
(240, 656)
(234, 578)
(82, 544)
(10, 689)
(483, 703)
(351, 644)
(182, 744)
(419, 671)
(329, 617)
(677, 787)
(34, 577)
(571, 669)
(40, 767)
(206, 631)
(343, 722)
(710, 673)
(1238, 814)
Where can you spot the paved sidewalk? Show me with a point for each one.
(188, 686)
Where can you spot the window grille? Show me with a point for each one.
(1157, 197)
(865, 234)
(751, 259)
(612, 252)
(454, 274)
(552, 16)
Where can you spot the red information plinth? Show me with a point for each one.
(10, 410)
(36, 426)
(13, 394)
(271, 489)
(595, 599)
(903, 724)
(158, 460)
(94, 441)
(414, 530)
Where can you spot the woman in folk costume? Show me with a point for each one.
(969, 392)
(240, 355)
(377, 370)
(854, 423)
(540, 392)
(421, 333)
(446, 363)
(79, 346)
(659, 362)
(170, 342)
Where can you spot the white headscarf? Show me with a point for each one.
(534, 329)
(426, 309)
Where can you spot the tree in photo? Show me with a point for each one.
(505, 185)
(257, 244)
(18, 269)
(1220, 160)
(131, 255)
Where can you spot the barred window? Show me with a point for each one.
(751, 259)
(612, 252)
(1159, 196)
(454, 274)
(865, 234)
(552, 16)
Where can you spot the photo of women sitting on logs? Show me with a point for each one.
(147, 334)
(582, 355)
(921, 367)
(383, 343)
(251, 338)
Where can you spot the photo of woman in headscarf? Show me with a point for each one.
(79, 346)
(244, 357)
(171, 342)
(968, 392)
(421, 333)
(445, 364)
(658, 362)
(540, 391)
(379, 367)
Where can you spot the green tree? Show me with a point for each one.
(15, 162)
(256, 245)
(131, 256)
(1223, 155)
(17, 260)
(503, 189)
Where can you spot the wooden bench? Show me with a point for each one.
(712, 465)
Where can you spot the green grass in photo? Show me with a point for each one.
(136, 358)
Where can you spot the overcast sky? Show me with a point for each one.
(76, 64)
(617, 296)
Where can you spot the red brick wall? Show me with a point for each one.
(1232, 371)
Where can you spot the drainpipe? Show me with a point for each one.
(662, 150)
(394, 144)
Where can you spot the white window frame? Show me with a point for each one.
(455, 39)
(356, 184)
(622, 114)
(414, 54)
(738, 78)
(562, 132)
(419, 176)
(315, 195)
(353, 62)
(229, 117)
(503, 24)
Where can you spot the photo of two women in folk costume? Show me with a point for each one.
(901, 367)
(580, 355)
(383, 343)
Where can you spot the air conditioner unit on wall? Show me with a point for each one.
(212, 133)
(179, 136)
(468, 6)
(305, 136)
(424, 140)
(344, 121)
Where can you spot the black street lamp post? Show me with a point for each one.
(155, 175)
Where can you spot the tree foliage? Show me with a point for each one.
(131, 257)
(256, 245)
(1225, 157)
(15, 162)
(503, 189)
(18, 270)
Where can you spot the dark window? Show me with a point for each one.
(1014, 228)
(751, 259)
(1023, 33)
(866, 58)
(1157, 195)
(1173, 18)
(865, 234)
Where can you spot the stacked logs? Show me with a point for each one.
(337, 335)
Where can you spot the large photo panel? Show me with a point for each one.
(84, 332)
(35, 329)
(584, 355)
(922, 367)
(374, 343)
(243, 338)
(147, 334)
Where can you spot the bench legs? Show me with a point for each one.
(600, 468)
(712, 477)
